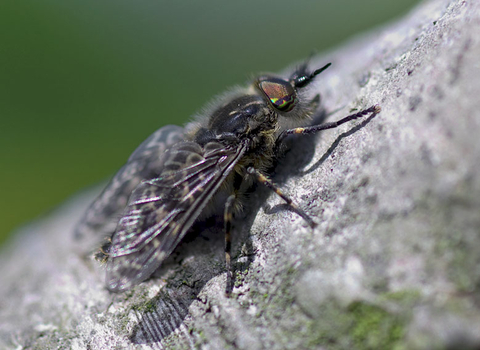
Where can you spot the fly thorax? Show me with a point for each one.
(236, 117)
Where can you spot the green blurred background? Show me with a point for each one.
(83, 82)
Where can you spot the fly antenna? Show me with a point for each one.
(305, 79)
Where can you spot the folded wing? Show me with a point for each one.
(160, 211)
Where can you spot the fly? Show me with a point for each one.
(180, 175)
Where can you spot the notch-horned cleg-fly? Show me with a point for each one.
(180, 175)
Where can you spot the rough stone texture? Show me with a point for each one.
(393, 264)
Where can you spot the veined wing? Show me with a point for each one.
(161, 210)
(146, 162)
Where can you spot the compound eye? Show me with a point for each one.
(281, 93)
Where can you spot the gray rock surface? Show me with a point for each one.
(393, 264)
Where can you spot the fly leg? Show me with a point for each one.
(315, 128)
(228, 217)
(268, 183)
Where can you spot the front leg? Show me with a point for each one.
(315, 128)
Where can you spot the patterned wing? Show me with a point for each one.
(146, 162)
(161, 210)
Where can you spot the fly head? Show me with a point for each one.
(289, 97)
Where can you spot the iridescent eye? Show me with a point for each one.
(281, 93)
